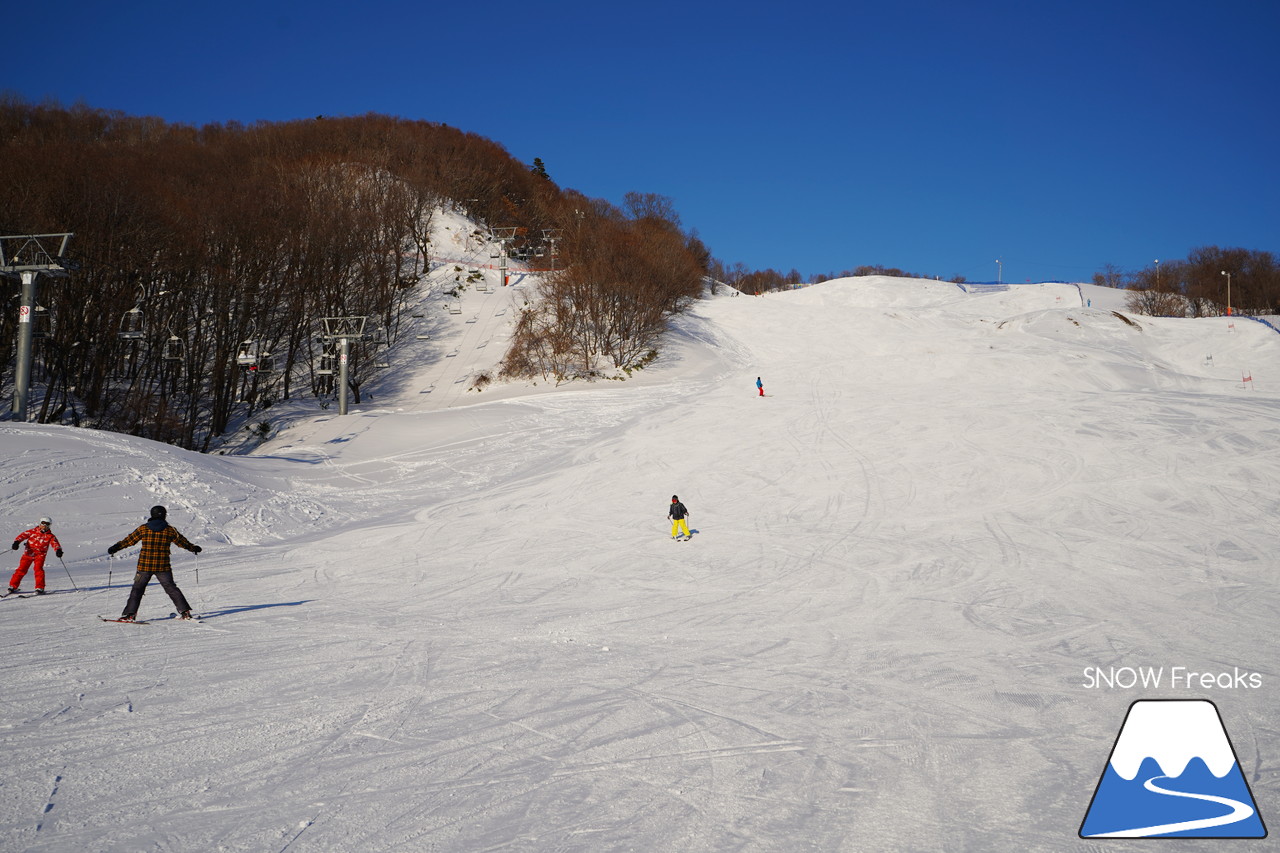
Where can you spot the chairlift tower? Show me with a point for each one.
(343, 330)
(504, 236)
(549, 236)
(26, 257)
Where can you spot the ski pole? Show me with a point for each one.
(68, 571)
(199, 594)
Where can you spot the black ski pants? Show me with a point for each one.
(140, 581)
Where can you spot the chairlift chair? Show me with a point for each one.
(41, 322)
(174, 349)
(247, 356)
(133, 325)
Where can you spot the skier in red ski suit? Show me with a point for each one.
(38, 540)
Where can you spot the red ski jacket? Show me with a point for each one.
(38, 541)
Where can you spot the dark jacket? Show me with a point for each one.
(677, 511)
(156, 536)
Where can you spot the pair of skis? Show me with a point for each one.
(194, 620)
(21, 594)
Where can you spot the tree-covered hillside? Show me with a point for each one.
(211, 246)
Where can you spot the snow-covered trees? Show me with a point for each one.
(232, 242)
(622, 275)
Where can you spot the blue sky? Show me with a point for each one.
(936, 137)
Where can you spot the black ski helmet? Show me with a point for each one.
(674, 499)
(159, 512)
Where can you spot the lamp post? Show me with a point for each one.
(999, 272)
(1228, 275)
(1157, 263)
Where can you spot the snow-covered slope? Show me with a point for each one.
(464, 627)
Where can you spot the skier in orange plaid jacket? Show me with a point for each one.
(156, 536)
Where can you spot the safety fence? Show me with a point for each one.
(1270, 324)
(972, 287)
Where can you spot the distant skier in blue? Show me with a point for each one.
(760, 386)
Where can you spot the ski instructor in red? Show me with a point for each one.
(156, 536)
(38, 540)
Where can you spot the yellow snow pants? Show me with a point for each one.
(679, 524)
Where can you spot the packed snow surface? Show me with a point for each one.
(463, 626)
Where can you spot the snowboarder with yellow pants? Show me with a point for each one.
(678, 515)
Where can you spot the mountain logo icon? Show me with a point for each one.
(1173, 773)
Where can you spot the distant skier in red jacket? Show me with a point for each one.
(38, 540)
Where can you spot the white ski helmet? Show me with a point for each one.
(46, 520)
